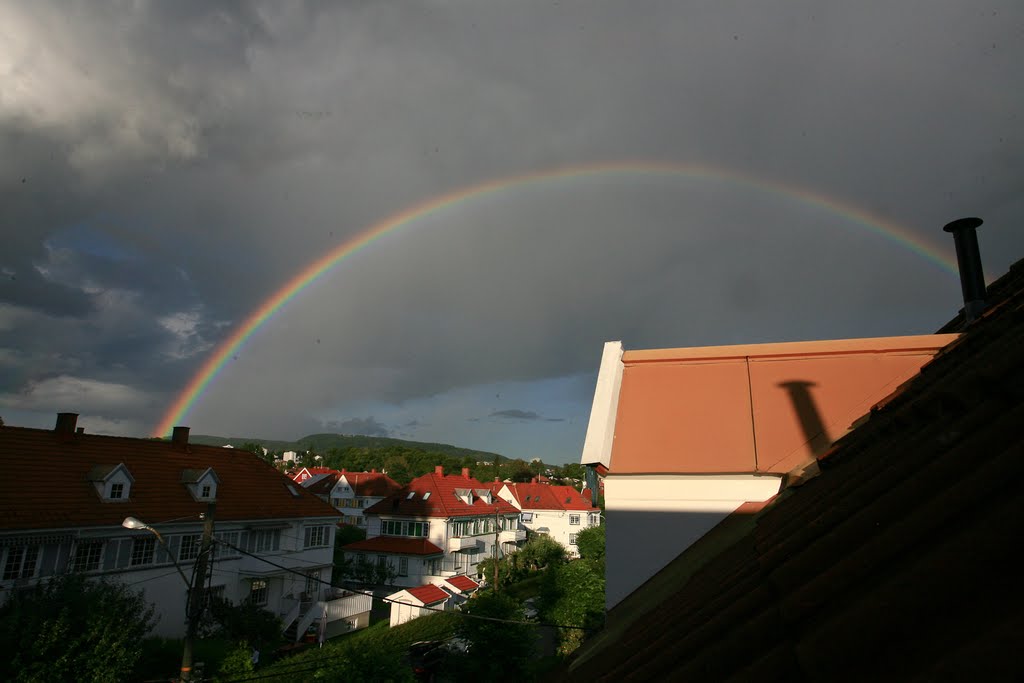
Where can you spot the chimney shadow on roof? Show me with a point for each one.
(815, 433)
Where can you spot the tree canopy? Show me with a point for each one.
(73, 629)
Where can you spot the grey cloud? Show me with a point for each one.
(227, 147)
(366, 426)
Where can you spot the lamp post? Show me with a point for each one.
(194, 596)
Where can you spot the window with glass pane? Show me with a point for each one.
(574, 519)
(189, 547)
(21, 562)
(142, 551)
(313, 582)
(88, 555)
(316, 536)
(116, 491)
(403, 566)
(258, 592)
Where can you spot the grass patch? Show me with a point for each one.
(374, 653)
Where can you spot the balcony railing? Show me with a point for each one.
(512, 535)
(461, 543)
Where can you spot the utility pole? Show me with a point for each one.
(497, 536)
(196, 594)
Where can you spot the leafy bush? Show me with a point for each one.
(73, 629)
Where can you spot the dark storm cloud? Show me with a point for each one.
(182, 161)
(515, 414)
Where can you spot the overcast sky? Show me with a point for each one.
(165, 167)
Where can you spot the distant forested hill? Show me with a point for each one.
(321, 443)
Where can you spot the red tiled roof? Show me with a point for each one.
(442, 501)
(394, 544)
(546, 497)
(463, 582)
(311, 471)
(323, 485)
(249, 488)
(371, 483)
(428, 593)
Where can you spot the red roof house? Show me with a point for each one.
(75, 522)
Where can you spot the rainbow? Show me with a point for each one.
(212, 367)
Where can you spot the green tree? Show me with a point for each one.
(540, 551)
(590, 542)
(73, 629)
(573, 595)
(499, 651)
(243, 623)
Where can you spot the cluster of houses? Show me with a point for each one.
(436, 530)
(133, 510)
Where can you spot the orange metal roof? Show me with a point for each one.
(249, 488)
(761, 408)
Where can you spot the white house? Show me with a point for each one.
(560, 512)
(353, 492)
(275, 540)
(410, 603)
(436, 527)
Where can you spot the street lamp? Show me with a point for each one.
(136, 523)
(194, 596)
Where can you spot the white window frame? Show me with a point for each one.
(88, 556)
(20, 562)
(574, 520)
(259, 590)
(316, 536)
(143, 551)
(189, 546)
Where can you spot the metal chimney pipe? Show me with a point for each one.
(968, 258)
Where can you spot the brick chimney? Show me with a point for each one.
(66, 423)
(439, 470)
(179, 437)
(465, 472)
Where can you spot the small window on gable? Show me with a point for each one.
(113, 483)
(202, 484)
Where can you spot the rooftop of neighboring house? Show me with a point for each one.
(463, 582)
(891, 557)
(370, 484)
(321, 484)
(538, 496)
(305, 473)
(442, 495)
(428, 594)
(159, 479)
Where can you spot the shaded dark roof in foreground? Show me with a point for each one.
(895, 562)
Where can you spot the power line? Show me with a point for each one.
(398, 602)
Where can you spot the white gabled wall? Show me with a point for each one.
(597, 447)
(651, 519)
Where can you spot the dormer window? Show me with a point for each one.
(202, 484)
(113, 483)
